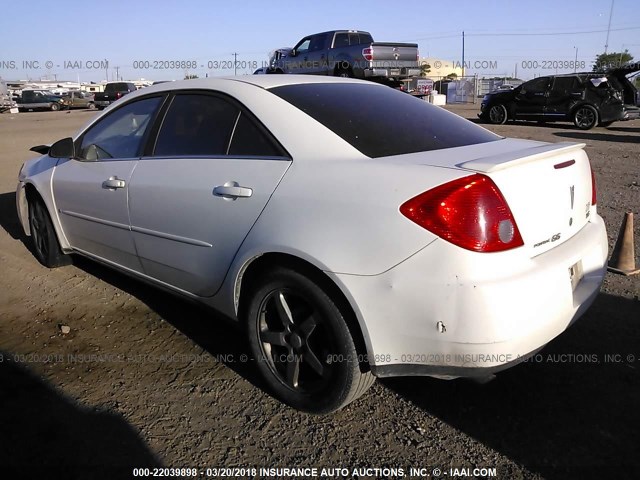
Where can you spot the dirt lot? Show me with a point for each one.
(144, 379)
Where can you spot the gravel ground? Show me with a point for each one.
(143, 379)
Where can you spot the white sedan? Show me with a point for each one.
(355, 231)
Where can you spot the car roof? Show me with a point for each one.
(262, 81)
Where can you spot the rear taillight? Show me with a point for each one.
(367, 53)
(469, 212)
(594, 197)
(118, 94)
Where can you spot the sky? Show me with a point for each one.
(164, 40)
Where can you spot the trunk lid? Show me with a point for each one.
(548, 188)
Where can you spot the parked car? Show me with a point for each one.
(349, 244)
(75, 99)
(112, 92)
(347, 53)
(39, 100)
(586, 99)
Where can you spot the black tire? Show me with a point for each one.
(344, 72)
(498, 114)
(302, 344)
(45, 242)
(54, 107)
(92, 106)
(585, 117)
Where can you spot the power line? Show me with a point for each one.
(524, 34)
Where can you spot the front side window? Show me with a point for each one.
(120, 134)
(303, 47)
(537, 85)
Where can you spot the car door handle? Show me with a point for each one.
(232, 190)
(113, 183)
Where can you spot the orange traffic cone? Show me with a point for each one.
(623, 258)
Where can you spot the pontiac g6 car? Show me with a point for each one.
(355, 231)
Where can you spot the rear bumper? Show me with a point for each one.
(631, 112)
(391, 72)
(446, 312)
(102, 103)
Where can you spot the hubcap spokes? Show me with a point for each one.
(39, 233)
(294, 340)
(496, 114)
(585, 117)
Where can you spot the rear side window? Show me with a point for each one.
(346, 39)
(249, 140)
(208, 125)
(196, 125)
(365, 38)
(380, 121)
(565, 84)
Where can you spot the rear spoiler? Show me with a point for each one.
(43, 149)
(505, 160)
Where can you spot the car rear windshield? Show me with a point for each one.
(115, 87)
(380, 121)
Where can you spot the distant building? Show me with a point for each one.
(92, 87)
(441, 68)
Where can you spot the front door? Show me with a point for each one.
(91, 191)
(531, 99)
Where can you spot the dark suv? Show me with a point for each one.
(586, 99)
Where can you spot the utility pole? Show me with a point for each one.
(463, 53)
(606, 45)
(575, 64)
(117, 73)
(235, 64)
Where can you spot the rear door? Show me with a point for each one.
(564, 93)
(195, 197)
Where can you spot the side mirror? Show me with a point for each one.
(63, 149)
(293, 53)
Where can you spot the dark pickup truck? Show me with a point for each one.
(347, 53)
(39, 100)
(112, 92)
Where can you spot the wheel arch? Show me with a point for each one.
(31, 194)
(250, 272)
(584, 104)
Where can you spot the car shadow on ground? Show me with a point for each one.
(208, 329)
(48, 435)
(570, 412)
(524, 123)
(625, 129)
(9, 216)
(219, 336)
(602, 137)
